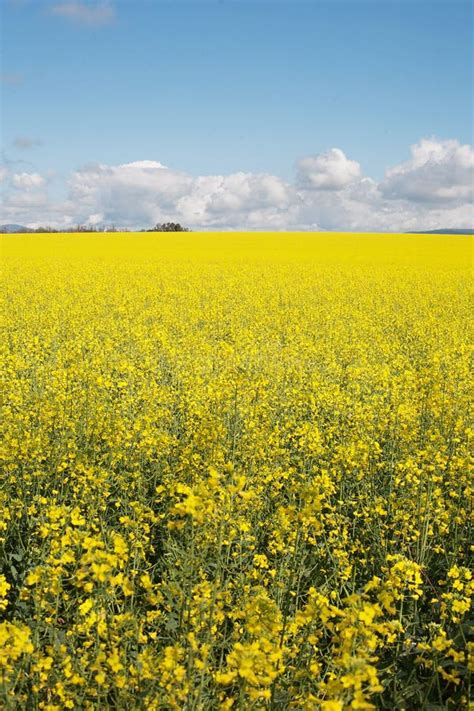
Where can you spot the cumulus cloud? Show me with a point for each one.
(23, 196)
(329, 193)
(144, 192)
(27, 181)
(131, 193)
(246, 199)
(327, 171)
(93, 14)
(438, 171)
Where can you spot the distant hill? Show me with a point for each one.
(10, 229)
(441, 232)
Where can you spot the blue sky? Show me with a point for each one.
(208, 87)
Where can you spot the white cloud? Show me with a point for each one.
(244, 199)
(427, 192)
(438, 171)
(26, 201)
(364, 208)
(96, 219)
(327, 171)
(27, 181)
(145, 192)
(131, 193)
(93, 14)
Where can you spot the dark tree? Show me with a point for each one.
(169, 227)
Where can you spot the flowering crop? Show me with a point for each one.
(235, 472)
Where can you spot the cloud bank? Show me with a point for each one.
(432, 189)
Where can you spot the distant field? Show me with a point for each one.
(235, 471)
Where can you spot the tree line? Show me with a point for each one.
(159, 227)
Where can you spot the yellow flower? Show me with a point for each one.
(85, 607)
(14, 641)
(77, 519)
(114, 661)
(332, 706)
(4, 588)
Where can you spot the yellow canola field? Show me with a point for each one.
(235, 472)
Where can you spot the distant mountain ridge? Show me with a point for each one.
(11, 229)
(441, 232)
